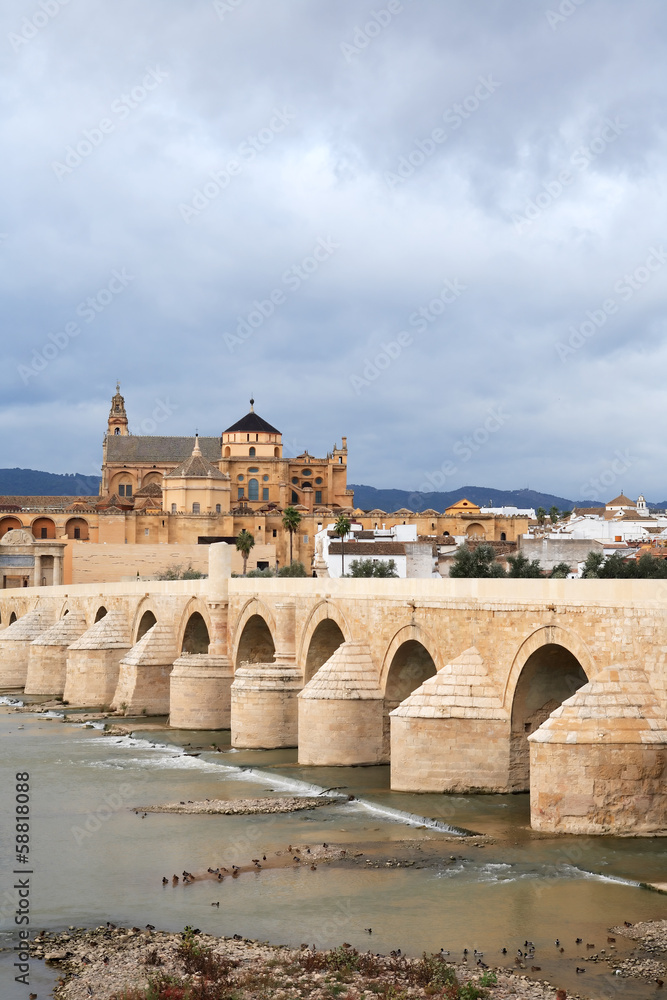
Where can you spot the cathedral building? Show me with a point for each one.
(247, 458)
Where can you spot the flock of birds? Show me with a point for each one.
(524, 955)
(298, 857)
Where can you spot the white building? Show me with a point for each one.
(412, 556)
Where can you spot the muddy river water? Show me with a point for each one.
(415, 882)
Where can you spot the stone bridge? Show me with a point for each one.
(554, 686)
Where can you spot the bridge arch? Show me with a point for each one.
(194, 630)
(325, 630)
(146, 622)
(409, 633)
(145, 616)
(253, 635)
(549, 667)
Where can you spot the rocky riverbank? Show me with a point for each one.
(112, 963)
(240, 807)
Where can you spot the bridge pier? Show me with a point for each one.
(341, 710)
(264, 709)
(47, 655)
(143, 675)
(598, 765)
(199, 684)
(93, 662)
(199, 692)
(452, 734)
(15, 647)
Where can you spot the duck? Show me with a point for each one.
(174, 879)
(165, 881)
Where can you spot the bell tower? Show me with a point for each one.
(117, 414)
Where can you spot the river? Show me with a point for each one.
(93, 858)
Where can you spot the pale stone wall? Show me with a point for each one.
(199, 692)
(340, 733)
(449, 755)
(604, 789)
(110, 563)
(264, 706)
(92, 677)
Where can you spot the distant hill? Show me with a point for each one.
(367, 498)
(29, 483)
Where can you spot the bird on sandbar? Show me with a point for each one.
(579, 941)
(579, 970)
(220, 877)
(165, 881)
(174, 879)
(150, 927)
(216, 904)
(313, 868)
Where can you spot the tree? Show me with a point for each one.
(294, 569)
(560, 571)
(541, 515)
(522, 568)
(479, 562)
(291, 522)
(372, 567)
(554, 514)
(342, 528)
(244, 543)
(178, 573)
(592, 566)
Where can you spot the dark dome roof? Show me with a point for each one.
(252, 423)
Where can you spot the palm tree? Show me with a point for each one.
(554, 514)
(291, 522)
(342, 528)
(244, 543)
(541, 515)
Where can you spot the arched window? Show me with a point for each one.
(503, 536)
(253, 489)
(117, 431)
(252, 453)
(295, 498)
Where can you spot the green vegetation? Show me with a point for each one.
(244, 543)
(291, 522)
(178, 573)
(342, 972)
(294, 569)
(371, 567)
(560, 571)
(522, 568)
(479, 562)
(342, 528)
(647, 567)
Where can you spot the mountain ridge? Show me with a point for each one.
(31, 482)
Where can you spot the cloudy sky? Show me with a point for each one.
(435, 226)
